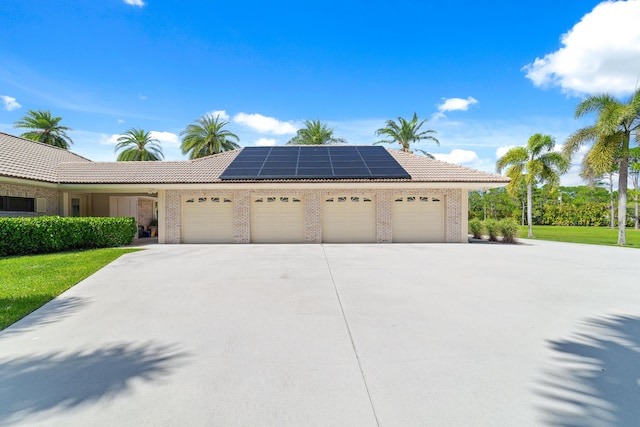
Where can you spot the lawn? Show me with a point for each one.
(588, 235)
(28, 282)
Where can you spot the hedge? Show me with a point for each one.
(23, 236)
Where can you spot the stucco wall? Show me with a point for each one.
(312, 199)
(52, 197)
(100, 205)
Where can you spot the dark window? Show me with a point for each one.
(17, 204)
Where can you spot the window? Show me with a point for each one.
(227, 200)
(424, 199)
(75, 207)
(202, 199)
(355, 199)
(190, 200)
(435, 200)
(215, 199)
(17, 204)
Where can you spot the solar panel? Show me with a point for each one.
(314, 162)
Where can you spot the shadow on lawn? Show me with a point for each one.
(51, 311)
(596, 376)
(65, 381)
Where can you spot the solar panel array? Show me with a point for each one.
(314, 162)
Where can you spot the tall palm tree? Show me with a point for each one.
(610, 135)
(406, 132)
(634, 171)
(45, 129)
(206, 136)
(534, 163)
(315, 132)
(138, 145)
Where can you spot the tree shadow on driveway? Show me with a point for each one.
(65, 381)
(595, 380)
(52, 311)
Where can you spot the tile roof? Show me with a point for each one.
(199, 171)
(424, 169)
(23, 158)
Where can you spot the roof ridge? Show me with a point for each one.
(45, 145)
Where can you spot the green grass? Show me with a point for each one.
(28, 282)
(588, 235)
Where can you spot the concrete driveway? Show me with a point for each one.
(335, 335)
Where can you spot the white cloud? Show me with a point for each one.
(265, 142)
(109, 139)
(265, 124)
(166, 138)
(458, 156)
(143, 97)
(138, 3)
(456, 104)
(120, 121)
(219, 113)
(10, 103)
(601, 53)
(501, 151)
(453, 104)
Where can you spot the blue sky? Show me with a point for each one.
(487, 75)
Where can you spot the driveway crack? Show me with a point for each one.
(353, 344)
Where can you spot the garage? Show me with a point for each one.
(277, 219)
(207, 219)
(418, 219)
(348, 218)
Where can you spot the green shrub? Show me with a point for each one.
(509, 229)
(476, 227)
(23, 236)
(493, 228)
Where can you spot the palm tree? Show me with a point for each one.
(138, 145)
(610, 135)
(634, 171)
(205, 137)
(406, 132)
(45, 129)
(315, 132)
(534, 163)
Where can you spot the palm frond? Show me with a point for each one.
(578, 139)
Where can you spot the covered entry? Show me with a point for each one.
(418, 219)
(207, 219)
(277, 219)
(348, 219)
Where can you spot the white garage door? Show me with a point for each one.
(207, 219)
(418, 219)
(348, 219)
(277, 219)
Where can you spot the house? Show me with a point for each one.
(292, 194)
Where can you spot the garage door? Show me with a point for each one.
(348, 219)
(207, 220)
(277, 219)
(418, 219)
